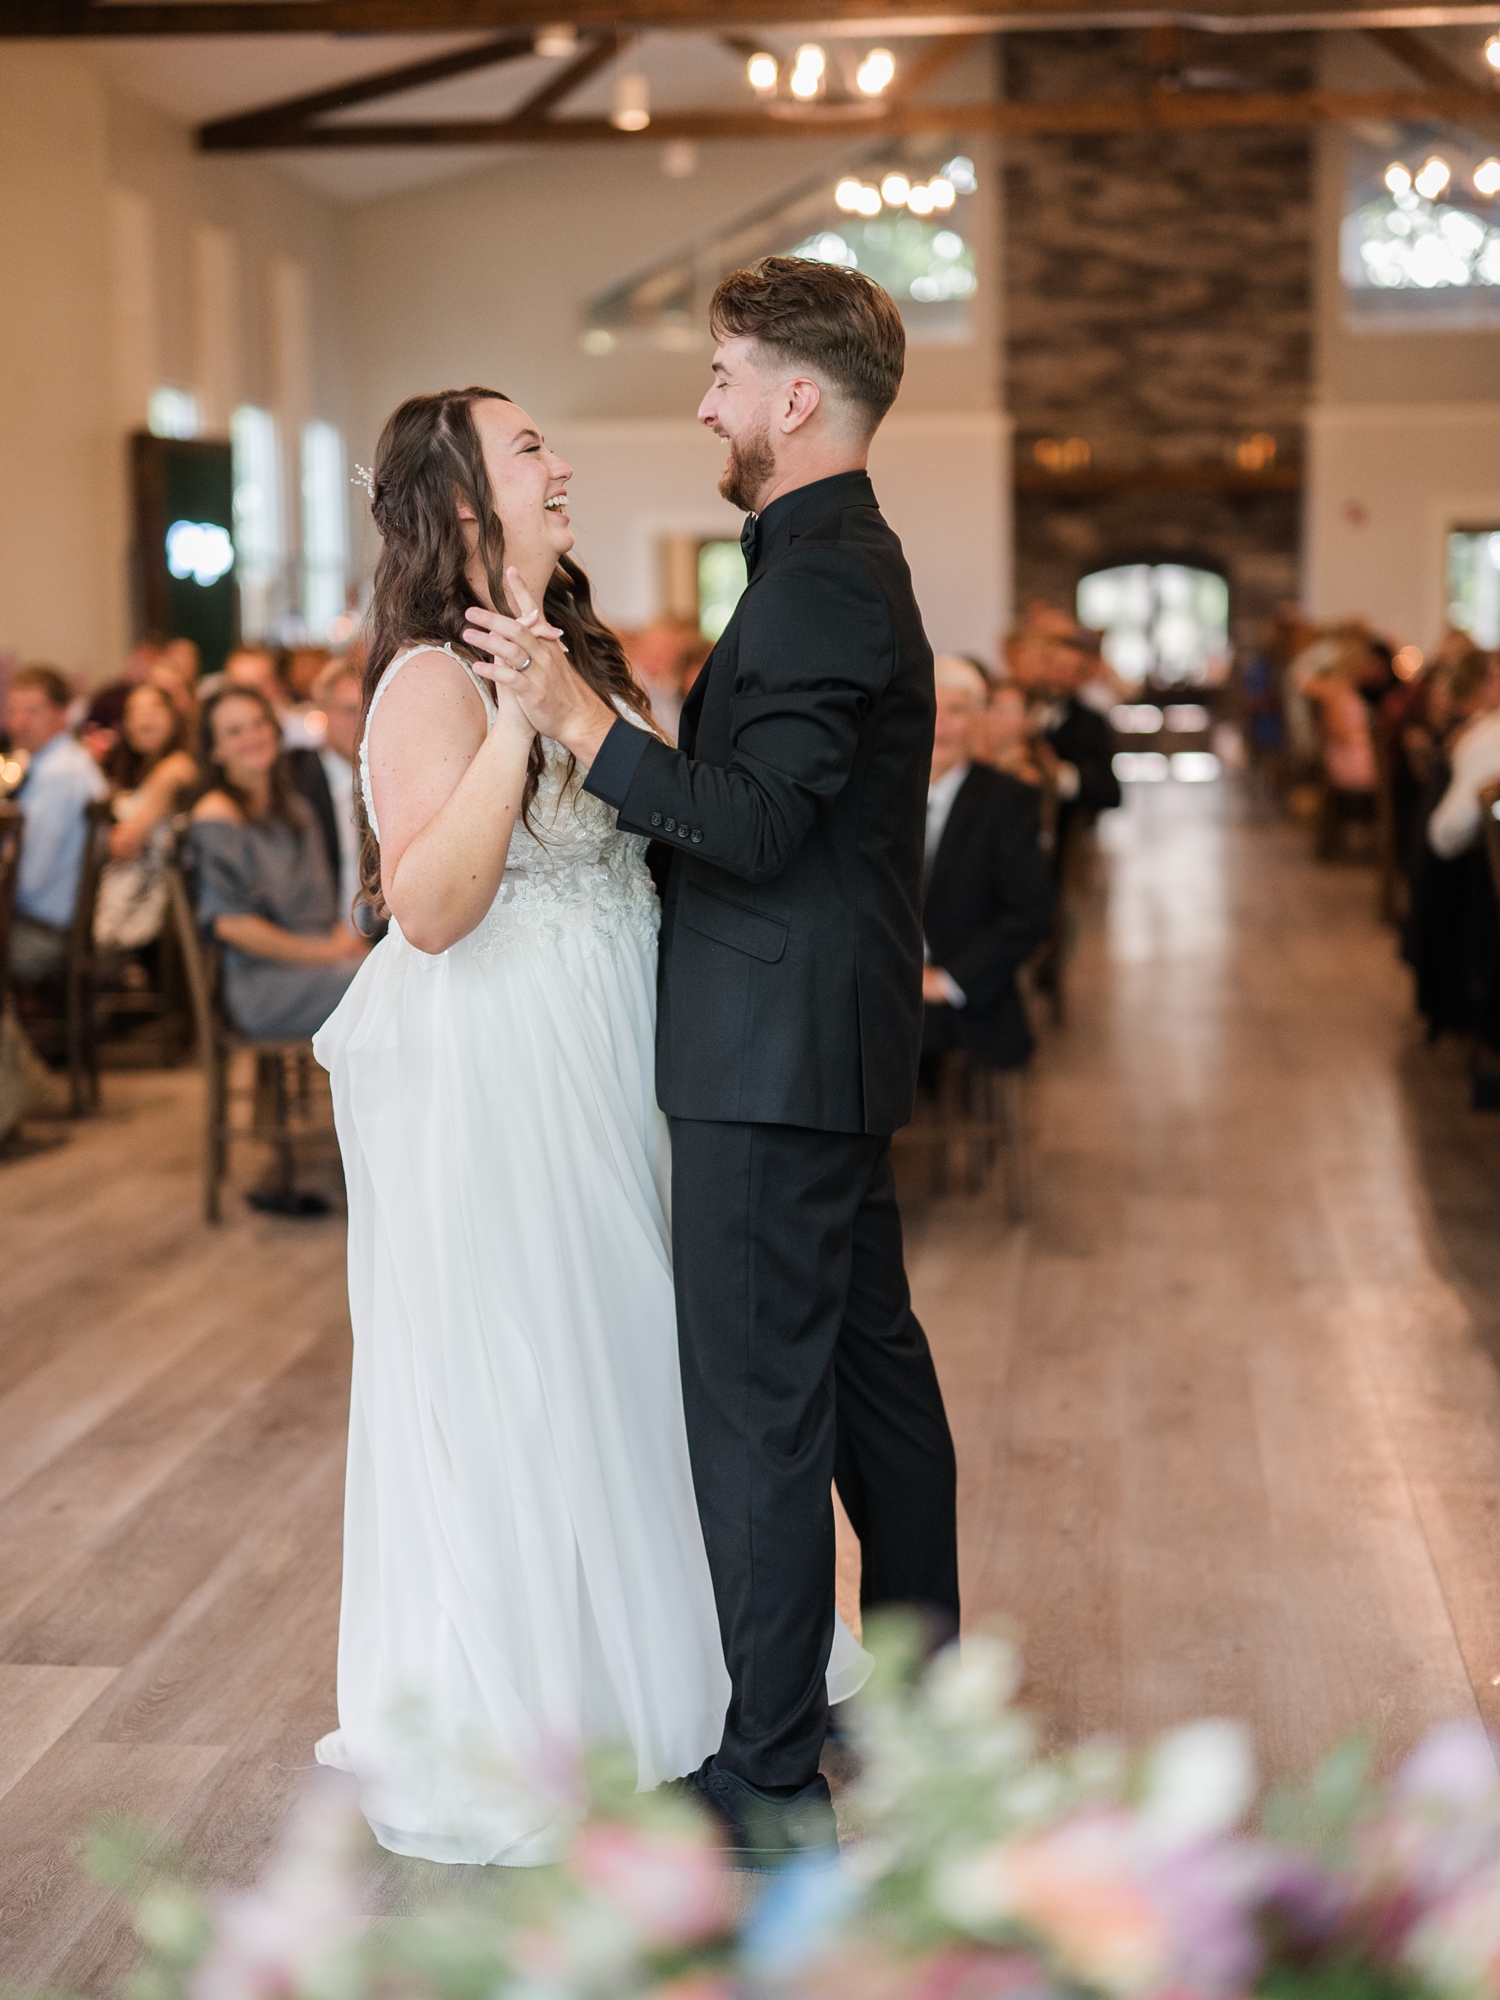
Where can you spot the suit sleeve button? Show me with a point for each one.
(697, 836)
(682, 833)
(656, 819)
(671, 826)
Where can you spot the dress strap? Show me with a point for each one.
(410, 653)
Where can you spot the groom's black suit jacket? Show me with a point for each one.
(791, 960)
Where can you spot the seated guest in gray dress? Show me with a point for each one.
(265, 890)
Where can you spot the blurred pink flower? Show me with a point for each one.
(1453, 1766)
(694, 1986)
(273, 1940)
(973, 1973)
(669, 1885)
(1074, 1888)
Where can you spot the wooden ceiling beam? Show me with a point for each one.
(588, 62)
(1161, 111)
(29, 18)
(912, 78)
(1422, 59)
(250, 128)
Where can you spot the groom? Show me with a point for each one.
(789, 1027)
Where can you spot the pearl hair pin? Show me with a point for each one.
(363, 476)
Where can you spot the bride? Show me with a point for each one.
(524, 1572)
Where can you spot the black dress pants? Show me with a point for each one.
(802, 1358)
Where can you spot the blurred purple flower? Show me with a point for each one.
(1453, 1766)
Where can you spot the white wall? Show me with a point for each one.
(1385, 484)
(127, 260)
(942, 481)
(484, 279)
(61, 590)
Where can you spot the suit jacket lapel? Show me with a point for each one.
(692, 708)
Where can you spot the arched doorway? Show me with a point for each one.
(1165, 625)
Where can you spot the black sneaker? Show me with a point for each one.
(761, 1832)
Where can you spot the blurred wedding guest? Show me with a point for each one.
(61, 779)
(1474, 759)
(248, 665)
(987, 888)
(1001, 735)
(303, 668)
(1449, 935)
(326, 776)
(1346, 746)
(663, 655)
(264, 887)
(176, 671)
(1418, 719)
(101, 723)
(149, 771)
(1072, 743)
(261, 668)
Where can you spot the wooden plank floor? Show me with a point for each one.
(1227, 1408)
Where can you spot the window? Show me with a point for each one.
(721, 583)
(914, 260)
(1162, 622)
(1474, 583)
(258, 544)
(1420, 241)
(911, 236)
(325, 544)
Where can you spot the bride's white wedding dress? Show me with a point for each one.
(524, 1572)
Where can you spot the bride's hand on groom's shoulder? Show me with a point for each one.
(528, 660)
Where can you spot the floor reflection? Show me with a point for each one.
(1228, 1425)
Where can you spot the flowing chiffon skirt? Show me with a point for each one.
(524, 1572)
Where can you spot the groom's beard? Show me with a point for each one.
(751, 467)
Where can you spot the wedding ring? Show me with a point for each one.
(524, 664)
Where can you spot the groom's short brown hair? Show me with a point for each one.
(824, 317)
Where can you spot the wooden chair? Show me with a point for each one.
(12, 833)
(978, 1113)
(153, 1010)
(218, 1044)
(1338, 810)
(73, 1032)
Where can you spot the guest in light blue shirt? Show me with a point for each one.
(61, 779)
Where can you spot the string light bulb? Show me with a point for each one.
(1397, 179)
(869, 202)
(632, 102)
(920, 201)
(559, 40)
(875, 72)
(807, 71)
(1434, 176)
(762, 70)
(848, 196)
(1487, 177)
(1492, 51)
(895, 190)
(943, 193)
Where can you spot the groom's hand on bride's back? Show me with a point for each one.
(528, 659)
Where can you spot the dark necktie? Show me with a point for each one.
(750, 541)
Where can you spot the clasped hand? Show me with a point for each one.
(527, 658)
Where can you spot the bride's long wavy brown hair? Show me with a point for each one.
(428, 462)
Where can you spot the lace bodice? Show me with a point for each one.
(577, 877)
